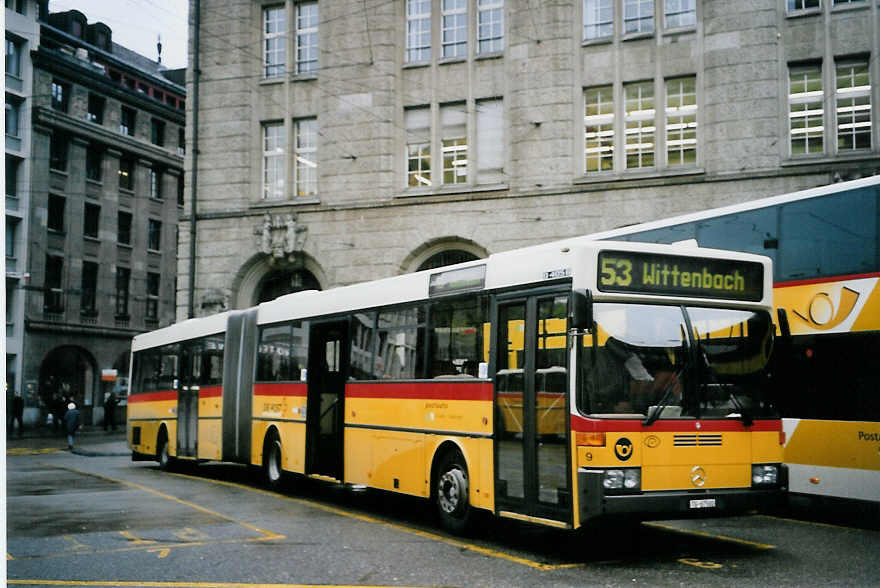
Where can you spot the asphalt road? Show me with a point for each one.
(94, 518)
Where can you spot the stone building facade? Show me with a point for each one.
(336, 142)
(105, 194)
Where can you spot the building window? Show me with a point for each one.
(53, 293)
(11, 244)
(181, 142)
(274, 161)
(60, 95)
(454, 27)
(123, 227)
(418, 30)
(842, 2)
(453, 124)
(806, 110)
(155, 183)
(180, 201)
(681, 121)
(639, 124)
(154, 235)
(680, 13)
(91, 220)
(126, 172)
(126, 121)
(12, 164)
(12, 117)
(157, 132)
(490, 26)
(152, 296)
(638, 16)
(95, 112)
(58, 152)
(853, 99)
(274, 41)
(490, 142)
(418, 146)
(306, 37)
(89, 289)
(13, 58)
(599, 129)
(306, 146)
(796, 5)
(94, 163)
(55, 218)
(123, 279)
(598, 19)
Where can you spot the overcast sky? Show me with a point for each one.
(137, 24)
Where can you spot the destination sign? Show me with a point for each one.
(675, 275)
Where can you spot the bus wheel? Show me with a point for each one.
(162, 451)
(272, 471)
(451, 493)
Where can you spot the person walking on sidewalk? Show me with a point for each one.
(110, 403)
(16, 413)
(71, 422)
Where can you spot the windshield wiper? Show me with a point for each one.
(664, 401)
(734, 399)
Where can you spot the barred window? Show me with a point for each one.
(806, 110)
(274, 41)
(639, 118)
(853, 98)
(599, 129)
(418, 30)
(681, 121)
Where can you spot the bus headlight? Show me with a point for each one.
(765, 475)
(622, 480)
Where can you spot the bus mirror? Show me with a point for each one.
(580, 315)
(784, 328)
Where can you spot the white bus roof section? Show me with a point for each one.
(188, 329)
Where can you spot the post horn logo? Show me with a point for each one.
(623, 449)
(820, 313)
(698, 476)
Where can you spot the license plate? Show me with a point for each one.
(703, 503)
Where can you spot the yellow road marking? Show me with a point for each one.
(376, 521)
(28, 451)
(681, 531)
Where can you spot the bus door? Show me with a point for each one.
(325, 414)
(532, 465)
(188, 399)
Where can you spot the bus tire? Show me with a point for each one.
(162, 451)
(451, 493)
(272, 470)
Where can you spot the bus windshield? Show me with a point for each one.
(657, 362)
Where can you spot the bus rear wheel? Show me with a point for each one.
(451, 493)
(272, 470)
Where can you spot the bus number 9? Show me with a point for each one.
(616, 272)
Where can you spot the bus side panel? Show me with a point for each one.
(148, 412)
(281, 405)
(833, 458)
(210, 422)
(238, 381)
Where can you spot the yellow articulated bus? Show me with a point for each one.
(553, 385)
(825, 247)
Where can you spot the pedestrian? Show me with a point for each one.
(71, 422)
(110, 411)
(17, 413)
(56, 407)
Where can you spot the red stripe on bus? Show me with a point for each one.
(280, 389)
(211, 392)
(153, 396)
(826, 280)
(587, 425)
(421, 390)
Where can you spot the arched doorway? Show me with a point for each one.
(447, 257)
(279, 282)
(68, 374)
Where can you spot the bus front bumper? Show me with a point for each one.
(595, 503)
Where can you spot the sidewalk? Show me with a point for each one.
(91, 441)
